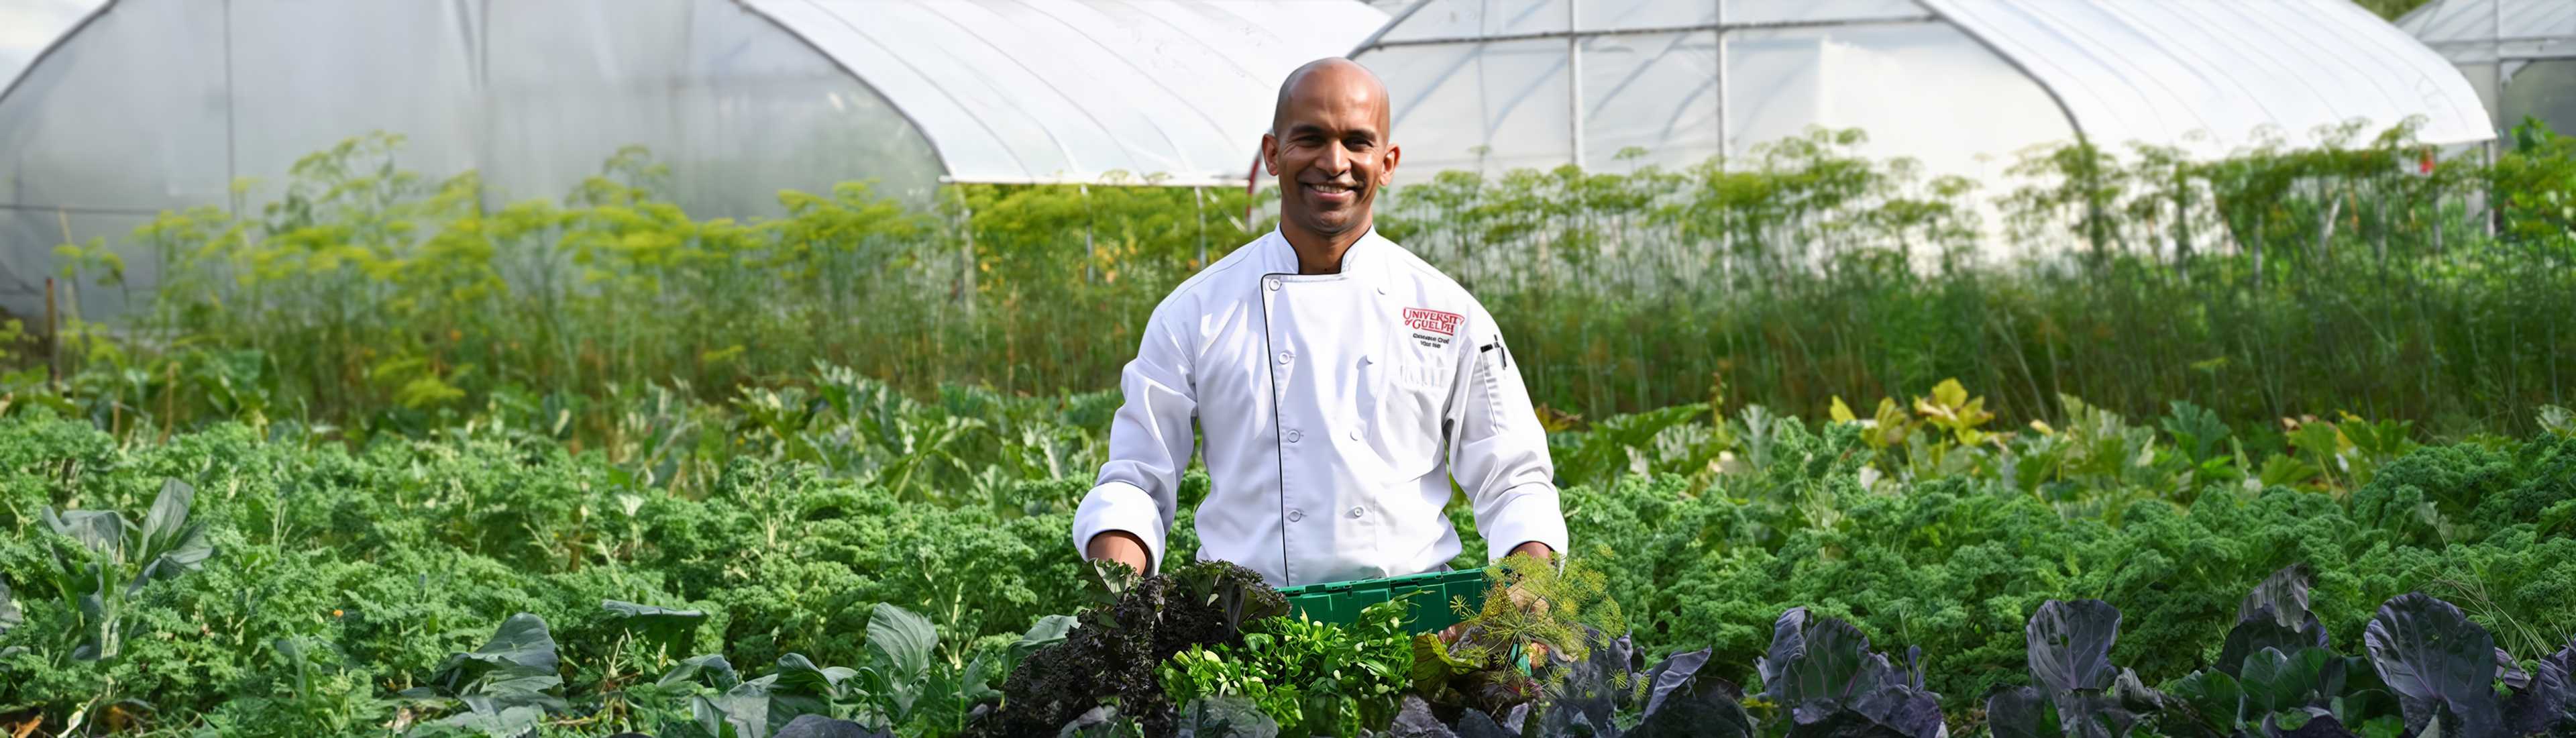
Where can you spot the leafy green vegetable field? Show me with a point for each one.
(1907, 568)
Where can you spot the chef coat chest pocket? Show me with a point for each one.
(1413, 389)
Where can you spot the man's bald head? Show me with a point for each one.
(1329, 146)
(1331, 80)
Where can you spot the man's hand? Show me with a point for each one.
(1125, 548)
(1519, 598)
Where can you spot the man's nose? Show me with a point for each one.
(1336, 159)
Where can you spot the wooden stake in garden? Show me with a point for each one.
(53, 341)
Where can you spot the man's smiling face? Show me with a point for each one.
(1329, 147)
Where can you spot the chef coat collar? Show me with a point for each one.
(1368, 261)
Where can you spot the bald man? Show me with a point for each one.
(1340, 383)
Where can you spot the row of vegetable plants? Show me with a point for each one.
(2427, 669)
(972, 445)
(288, 586)
(376, 299)
(1209, 651)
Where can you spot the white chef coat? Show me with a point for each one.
(1335, 408)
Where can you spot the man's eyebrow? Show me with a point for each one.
(1305, 128)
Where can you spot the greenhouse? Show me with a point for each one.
(2520, 55)
(117, 111)
(1959, 85)
(126, 109)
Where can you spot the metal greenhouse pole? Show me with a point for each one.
(1574, 79)
(1719, 255)
(2495, 146)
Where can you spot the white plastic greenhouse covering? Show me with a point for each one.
(1067, 91)
(28, 26)
(2519, 54)
(112, 111)
(1959, 85)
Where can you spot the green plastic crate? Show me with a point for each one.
(1339, 603)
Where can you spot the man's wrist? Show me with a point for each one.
(1535, 548)
(1119, 546)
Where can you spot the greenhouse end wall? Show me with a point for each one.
(159, 105)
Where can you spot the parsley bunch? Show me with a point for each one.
(1313, 678)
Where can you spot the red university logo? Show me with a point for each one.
(1432, 321)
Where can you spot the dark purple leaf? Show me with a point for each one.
(2070, 645)
(2282, 598)
(1831, 663)
(1477, 724)
(1681, 702)
(2439, 664)
(2020, 712)
(2264, 630)
(1414, 720)
(1908, 711)
(2548, 700)
(1788, 639)
(2510, 671)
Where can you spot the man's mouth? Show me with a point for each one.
(1333, 194)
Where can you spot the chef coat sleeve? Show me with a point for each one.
(1498, 452)
(1149, 441)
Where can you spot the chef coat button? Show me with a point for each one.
(1294, 434)
(1381, 289)
(1355, 434)
(1356, 512)
(1296, 515)
(1286, 356)
(1272, 282)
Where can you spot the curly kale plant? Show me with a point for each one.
(1112, 653)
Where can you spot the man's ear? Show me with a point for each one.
(1386, 174)
(1270, 154)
